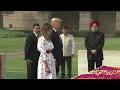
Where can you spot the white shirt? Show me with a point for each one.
(54, 30)
(72, 41)
(35, 33)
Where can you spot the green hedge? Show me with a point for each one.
(117, 33)
(25, 31)
(22, 33)
(77, 33)
(11, 34)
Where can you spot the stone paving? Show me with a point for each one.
(111, 58)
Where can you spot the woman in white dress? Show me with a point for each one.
(46, 63)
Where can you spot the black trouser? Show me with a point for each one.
(57, 69)
(68, 60)
(32, 70)
(91, 64)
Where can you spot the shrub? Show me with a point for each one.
(82, 33)
(77, 33)
(25, 31)
(117, 33)
(11, 34)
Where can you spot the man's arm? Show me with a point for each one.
(28, 47)
(73, 46)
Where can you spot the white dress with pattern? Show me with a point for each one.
(42, 46)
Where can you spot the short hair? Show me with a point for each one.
(35, 24)
(56, 20)
(65, 27)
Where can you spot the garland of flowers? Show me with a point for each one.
(103, 72)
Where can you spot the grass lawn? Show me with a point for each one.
(16, 66)
(11, 44)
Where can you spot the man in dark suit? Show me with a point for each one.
(31, 52)
(94, 42)
(57, 51)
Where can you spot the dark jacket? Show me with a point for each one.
(95, 41)
(57, 51)
(30, 48)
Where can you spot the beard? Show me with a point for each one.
(95, 29)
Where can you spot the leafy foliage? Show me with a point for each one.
(11, 34)
(77, 33)
(117, 33)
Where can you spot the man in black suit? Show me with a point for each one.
(94, 42)
(31, 52)
(57, 51)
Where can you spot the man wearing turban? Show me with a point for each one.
(94, 42)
